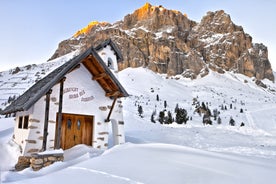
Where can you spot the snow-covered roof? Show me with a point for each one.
(91, 60)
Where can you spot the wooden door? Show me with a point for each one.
(76, 129)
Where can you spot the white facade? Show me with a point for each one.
(81, 95)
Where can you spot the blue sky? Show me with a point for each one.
(31, 29)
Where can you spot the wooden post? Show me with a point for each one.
(58, 133)
(111, 109)
(46, 119)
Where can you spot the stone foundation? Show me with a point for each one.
(38, 161)
(22, 163)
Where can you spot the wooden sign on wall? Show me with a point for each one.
(77, 93)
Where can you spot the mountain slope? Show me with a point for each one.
(17, 80)
(214, 89)
(190, 153)
(256, 138)
(167, 41)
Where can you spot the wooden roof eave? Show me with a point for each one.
(100, 73)
(110, 74)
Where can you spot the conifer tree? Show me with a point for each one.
(181, 116)
(169, 119)
(215, 113)
(161, 117)
(140, 110)
(203, 106)
(219, 120)
(232, 122)
(165, 104)
(152, 118)
(176, 108)
(206, 120)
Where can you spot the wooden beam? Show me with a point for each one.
(112, 93)
(46, 120)
(111, 109)
(99, 76)
(58, 127)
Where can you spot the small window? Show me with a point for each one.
(110, 63)
(26, 122)
(69, 124)
(20, 122)
(78, 124)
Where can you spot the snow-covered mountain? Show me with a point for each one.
(184, 153)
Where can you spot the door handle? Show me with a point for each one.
(74, 137)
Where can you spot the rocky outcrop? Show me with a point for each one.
(167, 41)
(226, 46)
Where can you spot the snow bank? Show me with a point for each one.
(9, 151)
(155, 163)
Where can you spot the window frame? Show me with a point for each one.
(78, 124)
(110, 63)
(69, 123)
(23, 122)
(20, 122)
(26, 122)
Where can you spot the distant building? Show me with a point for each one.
(74, 104)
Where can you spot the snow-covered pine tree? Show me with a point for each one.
(170, 118)
(161, 117)
(232, 122)
(140, 111)
(181, 116)
(219, 120)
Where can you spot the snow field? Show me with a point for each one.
(154, 153)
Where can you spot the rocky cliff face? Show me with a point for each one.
(166, 41)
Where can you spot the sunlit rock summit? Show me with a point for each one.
(167, 41)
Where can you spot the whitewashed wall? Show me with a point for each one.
(106, 53)
(117, 121)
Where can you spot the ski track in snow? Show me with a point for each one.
(106, 174)
(250, 120)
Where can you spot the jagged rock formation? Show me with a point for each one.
(166, 41)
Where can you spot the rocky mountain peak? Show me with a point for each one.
(89, 27)
(155, 18)
(167, 41)
(218, 22)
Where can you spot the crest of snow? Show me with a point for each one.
(129, 33)
(142, 28)
(158, 35)
(171, 37)
(214, 39)
(165, 30)
(260, 52)
(50, 152)
(132, 31)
